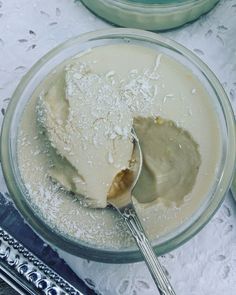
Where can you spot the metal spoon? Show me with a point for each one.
(124, 205)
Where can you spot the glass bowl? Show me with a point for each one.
(233, 188)
(150, 14)
(70, 48)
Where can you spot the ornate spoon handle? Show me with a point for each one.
(147, 251)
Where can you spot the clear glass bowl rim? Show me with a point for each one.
(158, 7)
(117, 256)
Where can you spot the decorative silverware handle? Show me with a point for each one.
(35, 276)
(149, 255)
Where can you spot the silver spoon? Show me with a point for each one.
(124, 205)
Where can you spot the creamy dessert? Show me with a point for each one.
(76, 131)
(88, 125)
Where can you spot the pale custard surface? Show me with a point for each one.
(150, 85)
(90, 131)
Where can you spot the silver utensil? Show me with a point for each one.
(125, 207)
(27, 273)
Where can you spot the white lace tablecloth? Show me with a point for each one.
(205, 265)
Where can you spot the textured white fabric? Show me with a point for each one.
(206, 264)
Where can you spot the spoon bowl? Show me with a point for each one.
(124, 199)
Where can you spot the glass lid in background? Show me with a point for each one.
(156, 15)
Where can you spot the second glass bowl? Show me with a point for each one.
(150, 14)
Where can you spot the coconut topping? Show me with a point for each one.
(88, 123)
